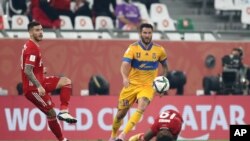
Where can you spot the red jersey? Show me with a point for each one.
(170, 119)
(31, 55)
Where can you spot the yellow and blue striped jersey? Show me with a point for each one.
(144, 62)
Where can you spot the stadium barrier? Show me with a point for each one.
(205, 117)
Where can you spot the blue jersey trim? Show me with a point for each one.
(144, 65)
(163, 62)
(127, 60)
(143, 47)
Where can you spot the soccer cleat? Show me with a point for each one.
(121, 137)
(65, 139)
(112, 139)
(65, 116)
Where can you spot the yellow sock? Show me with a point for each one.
(133, 121)
(115, 127)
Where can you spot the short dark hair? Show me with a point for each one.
(32, 24)
(239, 50)
(147, 25)
(164, 135)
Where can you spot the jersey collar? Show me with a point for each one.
(143, 47)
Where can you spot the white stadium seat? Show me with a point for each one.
(166, 24)
(49, 35)
(103, 22)
(209, 37)
(6, 24)
(228, 5)
(158, 11)
(192, 36)
(143, 11)
(17, 34)
(245, 15)
(174, 36)
(83, 23)
(19, 22)
(66, 23)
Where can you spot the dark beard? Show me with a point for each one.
(146, 43)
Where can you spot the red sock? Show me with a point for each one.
(66, 91)
(55, 128)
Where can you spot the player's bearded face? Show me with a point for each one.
(37, 33)
(146, 35)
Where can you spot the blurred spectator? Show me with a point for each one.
(82, 8)
(102, 8)
(147, 2)
(128, 15)
(18, 7)
(42, 12)
(62, 7)
(19, 88)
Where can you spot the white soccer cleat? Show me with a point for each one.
(65, 116)
(65, 139)
(112, 139)
(121, 137)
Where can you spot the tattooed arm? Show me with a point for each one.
(28, 70)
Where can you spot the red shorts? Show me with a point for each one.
(44, 103)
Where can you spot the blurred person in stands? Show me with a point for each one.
(166, 127)
(102, 8)
(82, 8)
(62, 7)
(36, 86)
(128, 15)
(46, 15)
(138, 69)
(18, 7)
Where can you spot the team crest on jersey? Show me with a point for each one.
(138, 54)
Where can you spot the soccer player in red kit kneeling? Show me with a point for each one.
(166, 127)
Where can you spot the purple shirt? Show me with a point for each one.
(129, 11)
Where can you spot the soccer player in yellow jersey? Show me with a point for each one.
(138, 69)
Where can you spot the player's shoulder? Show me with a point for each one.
(31, 46)
(158, 46)
(133, 45)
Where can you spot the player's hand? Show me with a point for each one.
(45, 70)
(41, 91)
(125, 82)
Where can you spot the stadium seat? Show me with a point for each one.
(165, 24)
(192, 37)
(225, 5)
(49, 35)
(209, 37)
(69, 35)
(89, 35)
(103, 22)
(66, 23)
(6, 24)
(17, 34)
(143, 11)
(19, 22)
(83, 23)
(245, 15)
(174, 36)
(158, 11)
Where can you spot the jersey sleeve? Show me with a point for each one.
(31, 56)
(119, 10)
(163, 56)
(128, 55)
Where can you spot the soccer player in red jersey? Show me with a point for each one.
(166, 127)
(36, 86)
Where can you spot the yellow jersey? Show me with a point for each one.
(144, 62)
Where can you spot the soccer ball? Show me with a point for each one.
(161, 84)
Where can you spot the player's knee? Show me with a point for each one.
(65, 81)
(51, 113)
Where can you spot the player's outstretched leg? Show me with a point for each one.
(66, 91)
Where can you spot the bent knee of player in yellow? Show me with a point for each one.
(143, 103)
